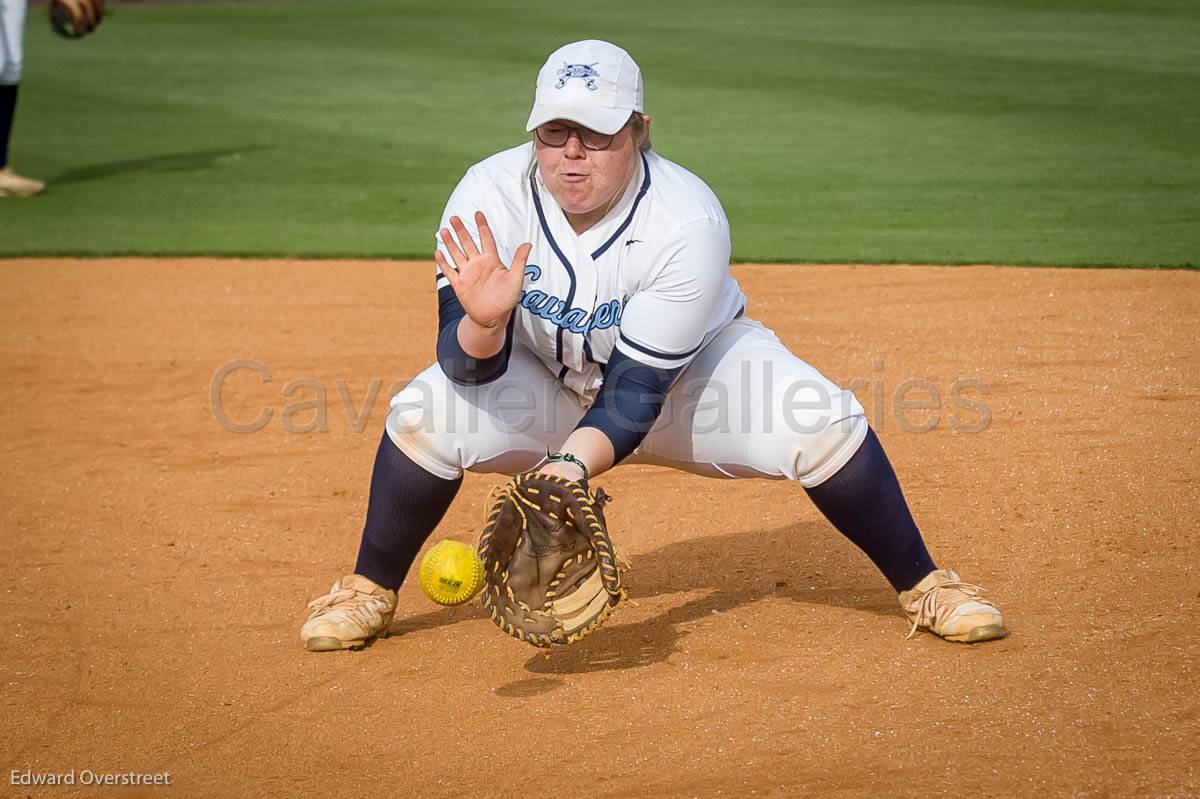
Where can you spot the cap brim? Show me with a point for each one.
(601, 120)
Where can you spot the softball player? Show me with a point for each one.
(586, 309)
(12, 32)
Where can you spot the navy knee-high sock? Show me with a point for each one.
(865, 503)
(8, 107)
(406, 505)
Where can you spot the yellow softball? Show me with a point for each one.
(451, 573)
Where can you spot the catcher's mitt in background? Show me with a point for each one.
(550, 573)
(74, 19)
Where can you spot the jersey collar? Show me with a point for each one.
(599, 237)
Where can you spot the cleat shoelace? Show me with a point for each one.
(933, 609)
(367, 608)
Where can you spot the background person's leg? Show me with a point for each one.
(12, 32)
(8, 107)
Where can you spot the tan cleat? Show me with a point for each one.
(943, 604)
(13, 185)
(354, 611)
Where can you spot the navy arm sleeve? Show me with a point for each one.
(629, 402)
(456, 364)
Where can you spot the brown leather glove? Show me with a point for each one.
(550, 573)
(74, 19)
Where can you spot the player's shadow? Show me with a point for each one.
(807, 562)
(193, 161)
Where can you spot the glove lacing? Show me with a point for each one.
(599, 497)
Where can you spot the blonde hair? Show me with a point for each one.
(637, 125)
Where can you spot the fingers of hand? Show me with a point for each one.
(517, 272)
(465, 240)
(450, 272)
(461, 247)
(486, 240)
(456, 254)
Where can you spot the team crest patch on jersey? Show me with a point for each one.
(585, 72)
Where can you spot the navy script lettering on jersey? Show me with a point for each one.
(554, 309)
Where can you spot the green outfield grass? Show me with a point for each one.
(967, 131)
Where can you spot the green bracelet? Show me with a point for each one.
(569, 458)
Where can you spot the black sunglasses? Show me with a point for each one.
(555, 134)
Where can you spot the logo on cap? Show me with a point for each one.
(584, 72)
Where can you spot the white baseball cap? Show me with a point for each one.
(594, 83)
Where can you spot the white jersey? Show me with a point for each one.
(650, 279)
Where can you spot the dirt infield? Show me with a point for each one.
(156, 562)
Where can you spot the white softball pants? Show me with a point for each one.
(12, 32)
(745, 407)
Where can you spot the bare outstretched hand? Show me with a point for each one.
(486, 288)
